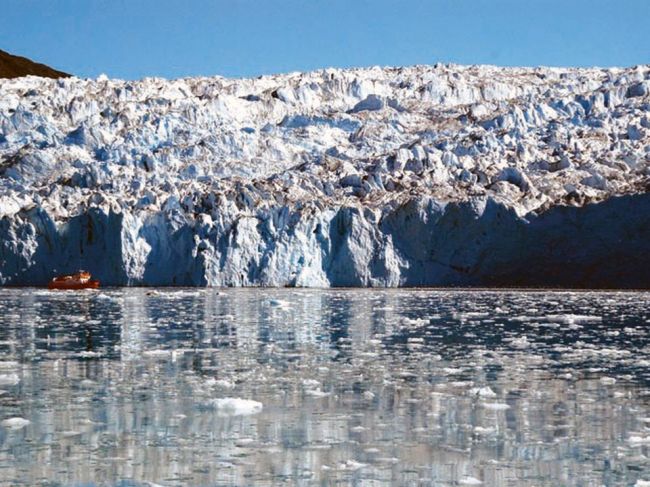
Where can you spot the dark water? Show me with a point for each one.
(284, 387)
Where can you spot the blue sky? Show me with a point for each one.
(172, 38)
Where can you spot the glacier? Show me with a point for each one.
(439, 175)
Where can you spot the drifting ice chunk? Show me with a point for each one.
(482, 392)
(225, 383)
(520, 342)
(571, 319)
(639, 440)
(352, 465)
(316, 393)
(279, 303)
(234, 406)
(496, 406)
(470, 481)
(15, 423)
(9, 379)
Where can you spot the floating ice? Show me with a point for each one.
(482, 392)
(70, 433)
(452, 370)
(352, 465)
(233, 406)
(571, 319)
(470, 481)
(316, 393)
(14, 423)
(9, 379)
(520, 342)
(387, 406)
(639, 440)
(496, 406)
(223, 383)
(88, 354)
(157, 353)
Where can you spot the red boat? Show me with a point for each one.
(80, 280)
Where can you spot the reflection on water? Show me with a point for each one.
(133, 387)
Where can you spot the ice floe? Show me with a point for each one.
(234, 406)
(14, 423)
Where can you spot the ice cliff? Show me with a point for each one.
(427, 175)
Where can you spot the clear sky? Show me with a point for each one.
(172, 38)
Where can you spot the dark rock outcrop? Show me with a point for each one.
(16, 66)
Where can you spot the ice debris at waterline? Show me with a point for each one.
(428, 175)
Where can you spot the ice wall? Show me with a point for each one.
(428, 175)
(421, 243)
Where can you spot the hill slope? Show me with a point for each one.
(16, 66)
(427, 175)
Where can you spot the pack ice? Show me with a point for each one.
(427, 175)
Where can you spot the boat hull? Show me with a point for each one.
(73, 285)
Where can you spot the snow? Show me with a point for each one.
(426, 175)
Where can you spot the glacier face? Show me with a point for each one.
(428, 175)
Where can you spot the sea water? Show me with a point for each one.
(177, 387)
